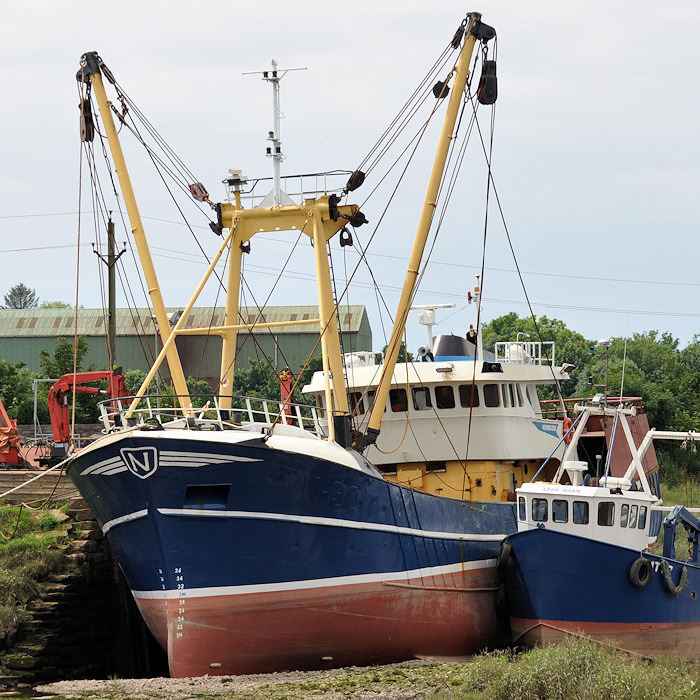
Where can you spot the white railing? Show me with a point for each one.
(525, 352)
(160, 410)
(297, 187)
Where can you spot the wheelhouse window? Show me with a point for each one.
(519, 394)
(421, 398)
(491, 395)
(511, 393)
(624, 514)
(357, 405)
(444, 396)
(606, 513)
(579, 512)
(370, 399)
(642, 517)
(505, 395)
(468, 395)
(560, 511)
(633, 516)
(533, 399)
(398, 400)
(522, 509)
(539, 509)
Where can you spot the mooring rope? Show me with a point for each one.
(34, 478)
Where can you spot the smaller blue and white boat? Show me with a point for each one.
(581, 563)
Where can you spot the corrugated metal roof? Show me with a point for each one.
(17, 323)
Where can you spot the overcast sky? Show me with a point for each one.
(596, 153)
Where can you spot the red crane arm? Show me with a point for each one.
(58, 406)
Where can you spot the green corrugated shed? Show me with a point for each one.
(25, 332)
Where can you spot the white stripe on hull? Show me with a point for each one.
(124, 519)
(330, 522)
(383, 577)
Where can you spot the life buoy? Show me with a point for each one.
(567, 435)
(640, 572)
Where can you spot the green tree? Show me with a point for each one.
(55, 305)
(134, 380)
(503, 329)
(60, 362)
(379, 356)
(650, 351)
(570, 347)
(259, 380)
(21, 297)
(55, 365)
(687, 415)
(315, 364)
(16, 391)
(649, 365)
(200, 391)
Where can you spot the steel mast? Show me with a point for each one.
(91, 66)
(473, 30)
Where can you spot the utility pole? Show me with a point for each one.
(111, 261)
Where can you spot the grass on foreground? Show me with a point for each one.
(29, 553)
(687, 494)
(573, 670)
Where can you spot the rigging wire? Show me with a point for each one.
(261, 309)
(405, 113)
(77, 288)
(453, 164)
(492, 185)
(99, 207)
(174, 167)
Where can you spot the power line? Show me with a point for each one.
(433, 262)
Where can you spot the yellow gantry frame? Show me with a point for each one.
(312, 218)
(243, 224)
(429, 204)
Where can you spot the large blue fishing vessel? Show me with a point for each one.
(259, 538)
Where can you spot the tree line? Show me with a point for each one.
(22, 297)
(649, 365)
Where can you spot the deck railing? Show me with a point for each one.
(525, 353)
(296, 187)
(206, 413)
(551, 408)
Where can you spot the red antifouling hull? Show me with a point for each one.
(326, 626)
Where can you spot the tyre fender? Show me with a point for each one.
(640, 572)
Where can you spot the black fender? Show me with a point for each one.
(640, 572)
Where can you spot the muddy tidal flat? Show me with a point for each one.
(394, 682)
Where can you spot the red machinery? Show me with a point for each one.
(59, 408)
(10, 439)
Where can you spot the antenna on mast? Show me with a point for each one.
(427, 318)
(274, 150)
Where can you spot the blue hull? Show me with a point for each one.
(218, 521)
(559, 584)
